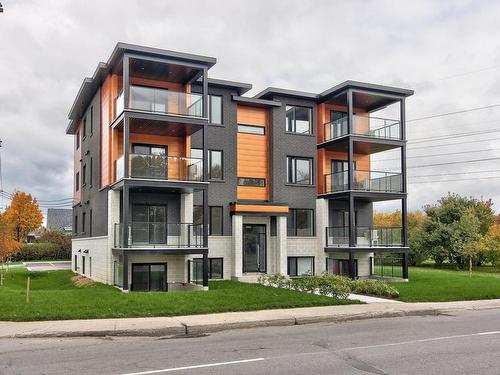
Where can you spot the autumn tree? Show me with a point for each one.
(490, 244)
(24, 215)
(8, 245)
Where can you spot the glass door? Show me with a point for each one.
(254, 248)
(338, 124)
(149, 161)
(149, 224)
(149, 277)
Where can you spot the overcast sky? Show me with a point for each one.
(447, 51)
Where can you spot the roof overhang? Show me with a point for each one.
(256, 102)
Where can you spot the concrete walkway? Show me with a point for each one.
(370, 299)
(199, 324)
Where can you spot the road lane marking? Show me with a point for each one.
(424, 340)
(195, 366)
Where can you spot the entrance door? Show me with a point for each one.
(149, 277)
(254, 248)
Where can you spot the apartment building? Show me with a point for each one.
(181, 178)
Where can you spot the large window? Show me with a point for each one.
(215, 269)
(215, 109)
(215, 165)
(84, 175)
(300, 266)
(250, 181)
(215, 221)
(83, 222)
(340, 266)
(298, 119)
(84, 128)
(300, 222)
(77, 181)
(251, 129)
(299, 170)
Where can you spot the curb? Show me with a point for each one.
(187, 329)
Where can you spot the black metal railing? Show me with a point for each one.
(160, 234)
(365, 236)
(378, 181)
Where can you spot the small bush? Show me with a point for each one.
(374, 288)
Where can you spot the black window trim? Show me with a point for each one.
(210, 220)
(210, 110)
(294, 126)
(293, 160)
(296, 257)
(293, 211)
(252, 178)
(210, 167)
(210, 260)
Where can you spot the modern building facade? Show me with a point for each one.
(180, 178)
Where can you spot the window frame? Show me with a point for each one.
(84, 175)
(210, 266)
(252, 178)
(77, 135)
(210, 226)
(91, 120)
(210, 106)
(292, 218)
(291, 170)
(263, 128)
(77, 181)
(83, 222)
(294, 120)
(84, 128)
(296, 258)
(210, 177)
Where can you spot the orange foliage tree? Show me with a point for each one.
(24, 215)
(8, 245)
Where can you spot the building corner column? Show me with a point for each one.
(281, 245)
(237, 245)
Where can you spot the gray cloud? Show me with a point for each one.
(48, 47)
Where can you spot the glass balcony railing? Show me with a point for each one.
(364, 180)
(365, 236)
(165, 101)
(368, 126)
(160, 234)
(162, 167)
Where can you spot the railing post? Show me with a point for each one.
(126, 80)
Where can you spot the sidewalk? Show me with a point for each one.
(198, 324)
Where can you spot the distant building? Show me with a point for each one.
(59, 219)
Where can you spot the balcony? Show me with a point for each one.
(365, 236)
(368, 126)
(160, 235)
(376, 181)
(161, 167)
(157, 100)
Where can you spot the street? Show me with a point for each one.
(465, 343)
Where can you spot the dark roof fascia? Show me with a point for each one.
(271, 91)
(256, 102)
(388, 90)
(241, 88)
(102, 70)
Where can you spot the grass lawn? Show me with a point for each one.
(430, 284)
(53, 296)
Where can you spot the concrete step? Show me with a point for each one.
(251, 278)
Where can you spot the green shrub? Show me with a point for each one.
(374, 288)
(328, 284)
(42, 251)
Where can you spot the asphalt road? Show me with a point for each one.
(467, 343)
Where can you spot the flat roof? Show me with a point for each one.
(256, 102)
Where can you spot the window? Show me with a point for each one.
(91, 120)
(215, 165)
(299, 170)
(77, 140)
(83, 222)
(300, 223)
(151, 99)
(77, 181)
(90, 266)
(215, 109)
(298, 119)
(75, 261)
(84, 128)
(83, 265)
(340, 267)
(300, 266)
(215, 221)
(91, 171)
(215, 269)
(197, 214)
(75, 228)
(84, 175)
(251, 129)
(248, 181)
(90, 224)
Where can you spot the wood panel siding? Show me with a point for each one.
(253, 153)
(257, 208)
(110, 89)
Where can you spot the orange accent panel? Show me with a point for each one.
(238, 207)
(253, 153)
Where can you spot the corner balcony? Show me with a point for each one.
(367, 181)
(161, 101)
(161, 167)
(366, 126)
(159, 235)
(365, 237)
